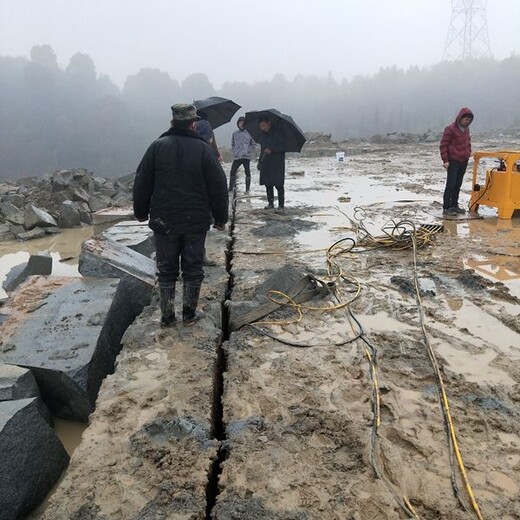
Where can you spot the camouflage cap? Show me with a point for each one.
(184, 112)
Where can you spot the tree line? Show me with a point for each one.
(54, 117)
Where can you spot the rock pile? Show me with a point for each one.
(35, 206)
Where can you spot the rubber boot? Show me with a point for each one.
(248, 184)
(191, 293)
(281, 202)
(270, 203)
(167, 299)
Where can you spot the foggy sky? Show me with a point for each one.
(245, 40)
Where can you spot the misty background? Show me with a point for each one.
(90, 83)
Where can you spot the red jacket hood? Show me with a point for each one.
(464, 112)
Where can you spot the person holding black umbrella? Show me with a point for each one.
(272, 163)
(277, 134)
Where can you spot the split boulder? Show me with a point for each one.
(70, 341)
(32, 456)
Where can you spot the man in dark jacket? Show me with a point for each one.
(455, 151)
(179, 185)
(272, 163)
(243, 146)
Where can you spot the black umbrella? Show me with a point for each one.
(217, 110)
(292, 133)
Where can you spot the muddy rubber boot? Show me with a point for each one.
(270, 203)
(281, 203)
(191, 293)
(167, 300)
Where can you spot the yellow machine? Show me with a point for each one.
(502, 186)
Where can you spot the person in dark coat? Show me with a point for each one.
(455, 151)
(272, 163)
(179, 185)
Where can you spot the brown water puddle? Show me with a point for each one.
(500, 245)
(65, 245)
(69, 433)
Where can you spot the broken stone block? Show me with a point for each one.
(99, 202)
(32, 234)
(70, 341)
(101, 257)
(32, 456)
(17, 200)
(112, 215)
(132, 234)
(5, 232)
(61, 180)
(36, 217)
(12, 214)
(69, 215)
(40, 263)
(14, 277)
(17, 383)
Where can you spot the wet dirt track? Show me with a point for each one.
(296, 424)
(298, 421)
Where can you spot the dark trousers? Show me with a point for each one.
(455, 176)
(176, 252)
(281, 195)
(246, 163)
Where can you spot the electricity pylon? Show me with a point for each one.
(468, 36)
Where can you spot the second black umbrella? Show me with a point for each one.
(216, 110)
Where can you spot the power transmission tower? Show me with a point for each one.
(468, 36)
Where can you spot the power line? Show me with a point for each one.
(468, 36)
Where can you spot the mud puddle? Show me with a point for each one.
(64, 248)
(69, 433)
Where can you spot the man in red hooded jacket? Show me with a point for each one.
(455, 152)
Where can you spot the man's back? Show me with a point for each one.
(183, 182)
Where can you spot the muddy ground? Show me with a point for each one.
(293, 440)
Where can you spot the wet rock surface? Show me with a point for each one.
(153, 425)
(69, 341)
(32, 457)
(134, 235)
(104, 258)
(17, 383)
(295, 429)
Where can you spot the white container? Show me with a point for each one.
(340, 157)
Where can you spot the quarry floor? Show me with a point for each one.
(204, 422)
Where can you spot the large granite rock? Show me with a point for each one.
(17, 383)
(102, 257)
(70, 341)
(5, 232)
(132, 234)
(36, 217)
(33, 458)
(69, 215)
(36, 232)
(12, 214)
(38, 264)
(75, 178)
